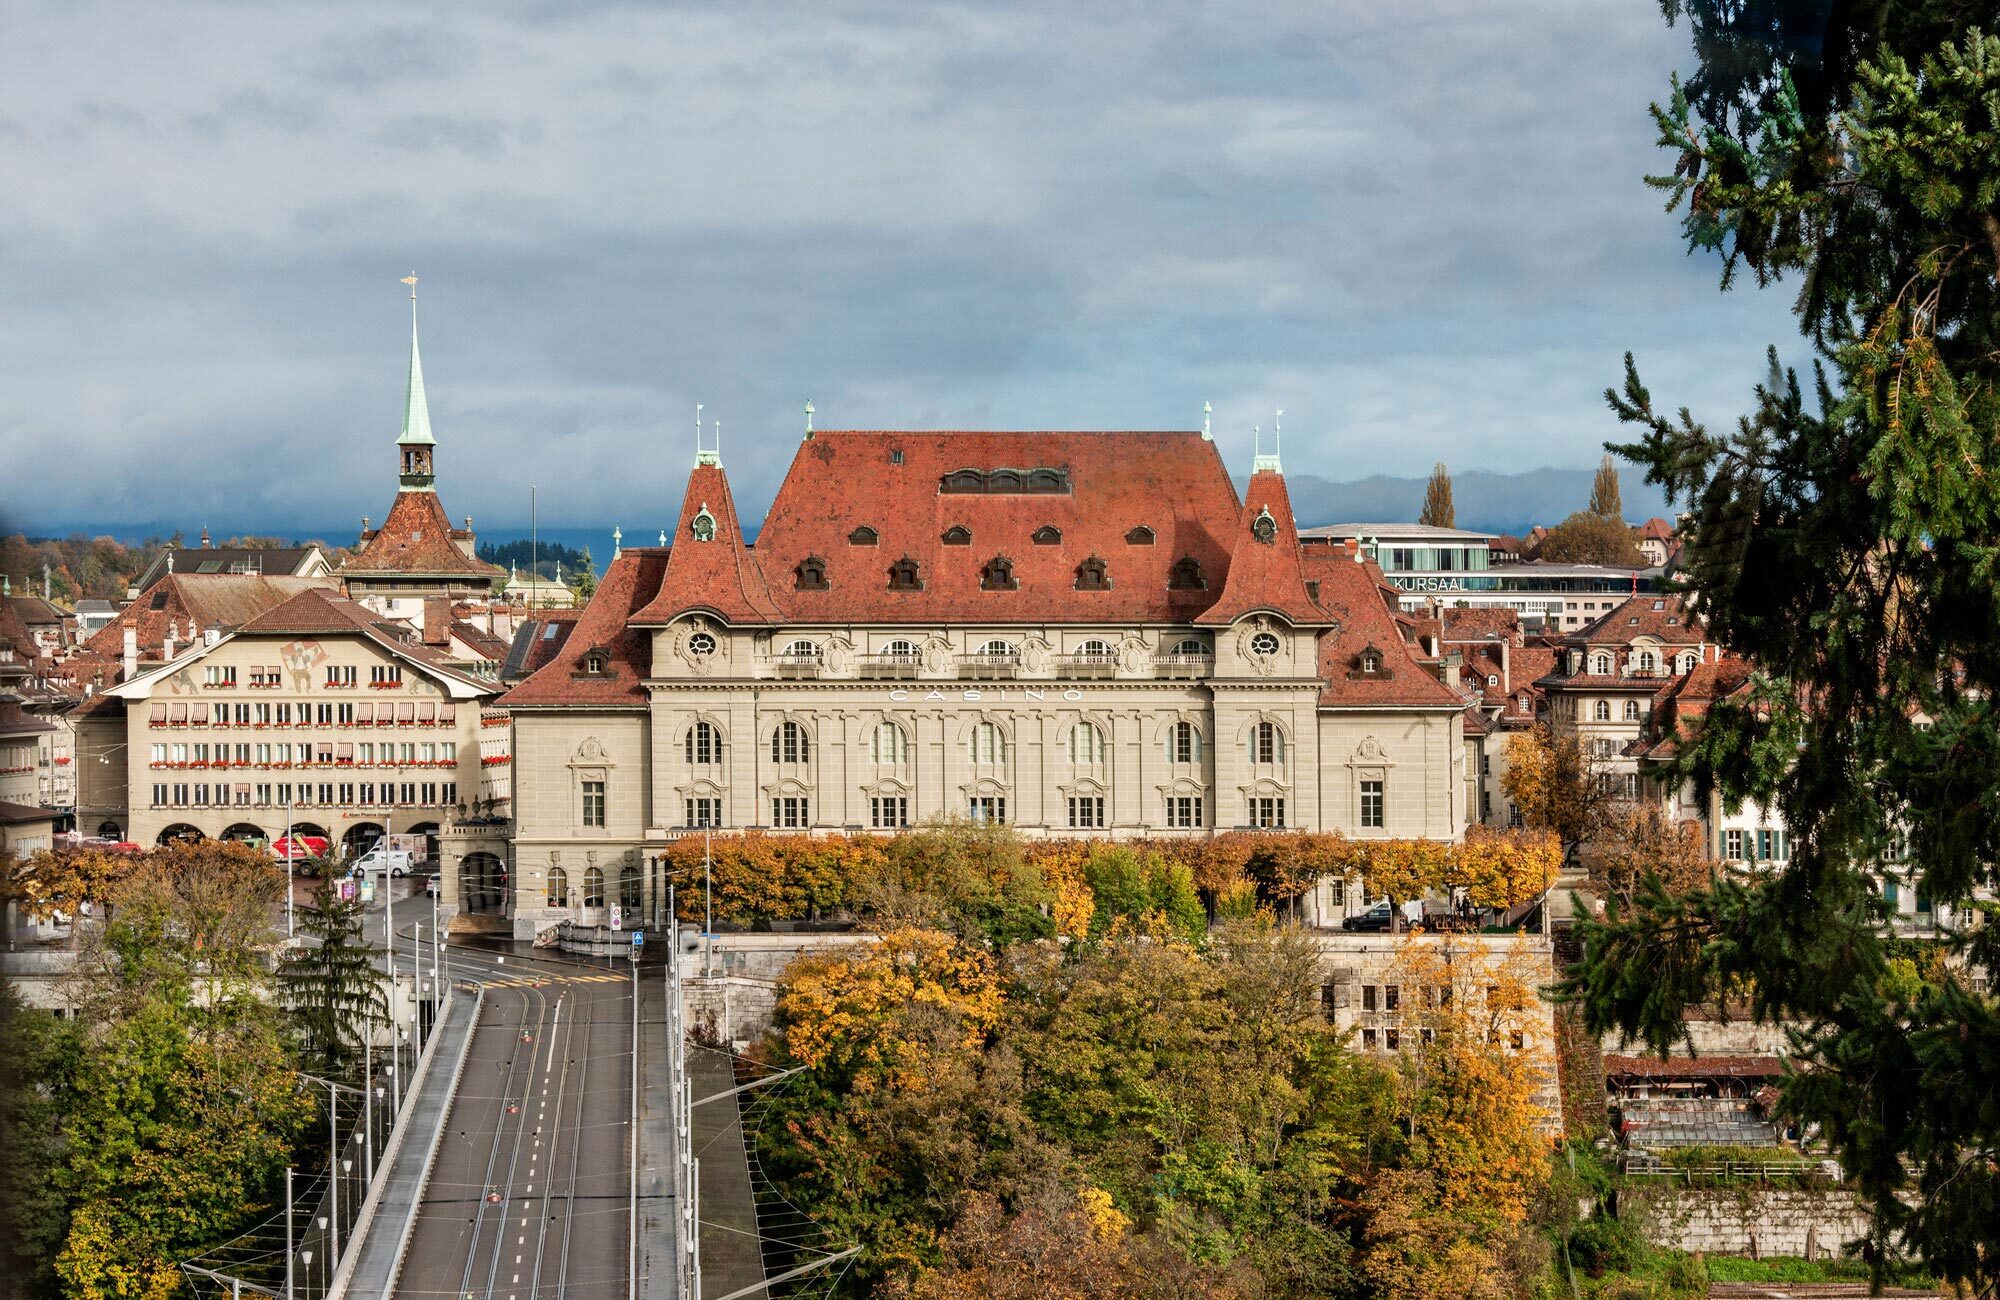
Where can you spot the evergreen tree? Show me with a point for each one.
(1438, 512)
(1843, 539)
(584, 580)
(330, 985)
(1604, 496)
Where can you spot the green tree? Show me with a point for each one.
(1438, 511)
(34, 1217)
(583, 580)
(1589, 538)
(1605, 500)
(1843, 539)
(330, 985)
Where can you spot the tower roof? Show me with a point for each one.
(416, 410)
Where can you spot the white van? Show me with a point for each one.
(380, 858)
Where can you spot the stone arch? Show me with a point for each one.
(482, 883)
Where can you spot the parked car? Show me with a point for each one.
(297, 848)
(1378, 917)
(431, 886)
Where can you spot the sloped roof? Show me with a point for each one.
(537, 640)
(1664, 618)
(417, 540)
(719, 575)
(1693, 1067)
(318, 612)
(194, 603)
(1348, 592)
(269, 561)
(1461, 623)
(1112, 484)
(1265, 576)
(624, 590)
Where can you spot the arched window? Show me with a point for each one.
(1601, 711)
(905, 575)
(1646, 661)
(1047, 535)
(558, 891)
(703, 745)
(1191, 646)
(863, 536)
(810, 575)
(1140, 535)
(1687, 661)
(1092, 575)
(593, 887)
(1600, 664)
(803, 648)
(1086, 745)
(1631, 710)
(997, 647)
(888, 746)
(998, 575)
(1095, 649)
(1184, 743)
(1186, 575)
(628, 886)
(989, 744)
(790, 744)
(900, 649)
(958, 535)
(703, 527)
(1267, 743)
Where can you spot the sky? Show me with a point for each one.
(1418, 229)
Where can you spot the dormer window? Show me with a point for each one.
(998, 575)
(904, 575)
(1048, 535)
(596, 662)
(1186, 575)
(703, 527)
(1091, 576)
(1264, 528)
(1370, 663)
(811, 574)
(958, 535)
(863, 536)
(1139, 536)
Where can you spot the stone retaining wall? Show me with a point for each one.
(1747, 1220)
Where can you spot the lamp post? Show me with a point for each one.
(291, 855)
(288, 1232)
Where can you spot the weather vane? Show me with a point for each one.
(411, 280)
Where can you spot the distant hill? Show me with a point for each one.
(1486, 501)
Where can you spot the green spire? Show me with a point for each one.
(416, 411)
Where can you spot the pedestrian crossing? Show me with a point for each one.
(542, 981)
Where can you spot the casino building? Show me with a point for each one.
(1085, 634)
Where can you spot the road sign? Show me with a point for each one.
(638, 938)
(617, 917)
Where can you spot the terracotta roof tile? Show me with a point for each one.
(624, 590)
(417, 540)
(1265, 575)
(1697, 1067)
(1348, 592)
(717, 576)
(189, 604)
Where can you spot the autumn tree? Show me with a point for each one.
(1590, 538)
(1558, 782)
(1605, 500)
(1842, 537)
(1438, 511)
(1637, 842)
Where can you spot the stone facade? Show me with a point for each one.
(1747, 1220)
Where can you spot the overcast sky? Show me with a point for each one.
(1424, 237)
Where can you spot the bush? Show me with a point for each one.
(1603, 1245)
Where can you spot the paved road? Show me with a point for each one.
(530, 1195)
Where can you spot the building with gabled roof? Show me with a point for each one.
(417, 553)
(1084, 634)
(319, 716)
(255, 561)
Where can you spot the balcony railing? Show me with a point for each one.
(1183, 665)
(989, 667)
(796, 666)
(899, 667)
(1086, 667)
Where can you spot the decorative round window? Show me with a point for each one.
(1264, 644)
(701, 645)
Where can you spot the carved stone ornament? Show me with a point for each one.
(837, 656)
(937, 656)
(592, 751)
(1132, 656)
(684, 646)
(1035, 656)
(1370, 751)
(1247, 647)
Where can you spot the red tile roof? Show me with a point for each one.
(1173, 484)
(322, 613)
(1349, 594)
(719, 577)
(1696, 1067)
(188, 604)
(1265, 576)
(417, 540)
(622, 593)
(1665, 619)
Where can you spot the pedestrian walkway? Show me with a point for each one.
(732, 1254)
(383, 1230)
(659, 1215)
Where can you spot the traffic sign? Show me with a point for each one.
(638, 938)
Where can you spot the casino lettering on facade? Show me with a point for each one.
(1078, 634)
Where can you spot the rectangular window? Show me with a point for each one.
(201, 796)
(367, 792)
(159, 754)
(988, 808)
(264, 792)
(1764, 848)
(285, 715)
(326, 715)
(1372, 814)
(326, 792)
(1267, 812)
(1368, 1040)
(158, 714)
(159, 796)
(448, 751)
(704, 812)
(1392, 1039)
(409, 792)
(347, 792)
(200, 715)
(430, 797)
(385, 675)
(1392, 997)
(338, 675)
(1733, 847)
(1184, 811)
(1086, 812)
(448, 792)
(593, 803)
(889, 811)
(791, 812)
(1367, 997)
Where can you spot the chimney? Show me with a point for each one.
(1506, 664)
(1353, 547)
(167, 645)
(131, 654)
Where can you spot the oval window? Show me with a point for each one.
(1264, 644)
(701, 645)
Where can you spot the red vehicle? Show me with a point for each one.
(298, 848)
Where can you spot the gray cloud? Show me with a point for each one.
(1422, 235)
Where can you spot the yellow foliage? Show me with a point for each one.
(1107, 1221)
